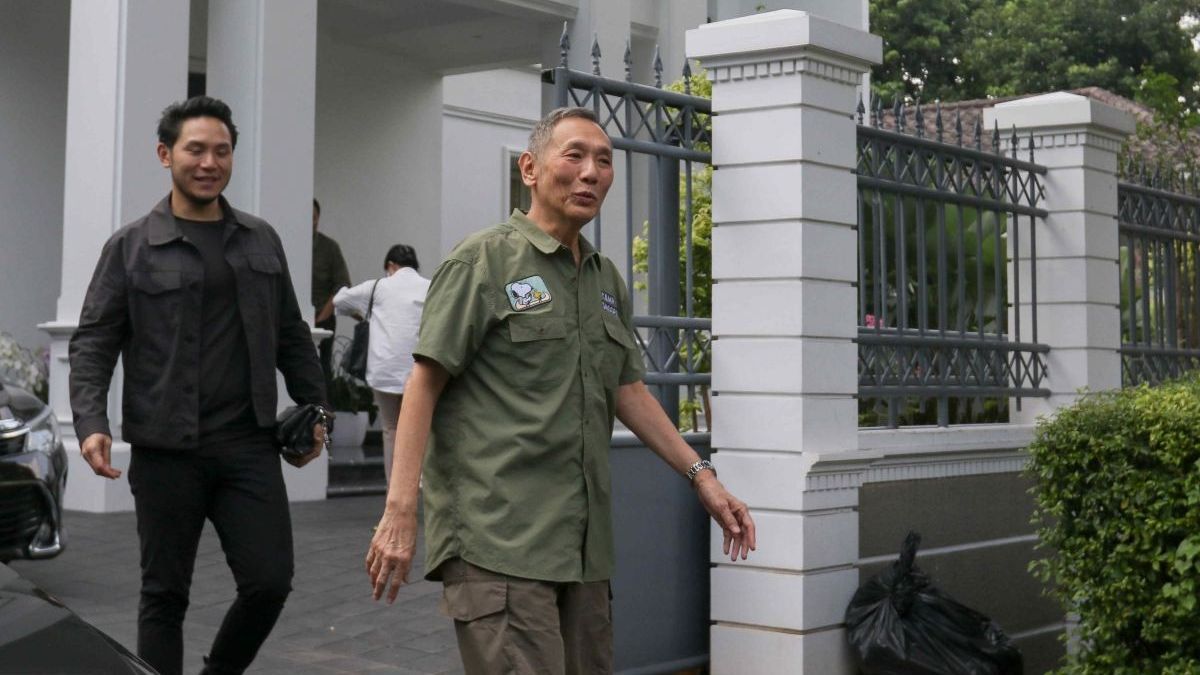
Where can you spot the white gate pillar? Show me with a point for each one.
(784, 361)
(262, 61)
(1077, 139)
(128, 61)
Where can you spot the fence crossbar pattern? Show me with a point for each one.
(673, 130)
(1158, 223)
(943, 316)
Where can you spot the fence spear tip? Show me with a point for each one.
(658, 68)
(564, 46)
(628, 62)
(595, 54)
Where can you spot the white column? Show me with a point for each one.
(675, 19)
(128, 61)
(1078, 293)
(784, 361)
(262, 57)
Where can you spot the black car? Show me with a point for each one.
(38, 634)
(33, 475)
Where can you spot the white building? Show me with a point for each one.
(401, 116)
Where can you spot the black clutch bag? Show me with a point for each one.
(294, 428)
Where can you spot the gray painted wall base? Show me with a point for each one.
(660, 589)
(977, 543)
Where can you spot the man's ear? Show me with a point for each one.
(526, 165)
(164, 154)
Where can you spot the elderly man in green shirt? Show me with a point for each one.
(526, 353)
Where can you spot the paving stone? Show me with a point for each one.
(98, 577)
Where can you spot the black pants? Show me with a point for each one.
(240, 489)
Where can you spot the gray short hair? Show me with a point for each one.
(540, 136)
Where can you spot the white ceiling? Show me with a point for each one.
(444, 35)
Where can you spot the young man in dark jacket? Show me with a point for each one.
(197, 299)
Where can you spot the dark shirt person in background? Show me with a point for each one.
(329, 274)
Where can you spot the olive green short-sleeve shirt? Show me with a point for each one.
(516, 476)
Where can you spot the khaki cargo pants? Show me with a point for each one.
(512, 625)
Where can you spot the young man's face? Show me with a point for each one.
(574, 172)
(201, 161)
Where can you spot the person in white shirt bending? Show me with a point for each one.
(395, 318)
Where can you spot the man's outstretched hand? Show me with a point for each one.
(729, 512)
(390, 556)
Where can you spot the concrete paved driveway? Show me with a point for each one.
(330, 624)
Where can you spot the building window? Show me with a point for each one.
(519, 196)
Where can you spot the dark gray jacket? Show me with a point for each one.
(139, 305)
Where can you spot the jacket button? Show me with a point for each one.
(187, 389)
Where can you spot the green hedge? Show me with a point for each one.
(1118, 513)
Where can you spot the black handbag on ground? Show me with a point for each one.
(354, 361)
(294, 429)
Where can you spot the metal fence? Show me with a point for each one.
(943, 315)
(673, 131)
(1158, 222)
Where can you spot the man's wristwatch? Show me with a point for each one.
(702, 465)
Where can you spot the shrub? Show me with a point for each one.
(1118, 512)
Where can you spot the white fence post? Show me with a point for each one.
(1078, 292)
(784, 315)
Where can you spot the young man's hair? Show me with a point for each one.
(402, 255)
(544, 129)
(317, 205)
(174, 115)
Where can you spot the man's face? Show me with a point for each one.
(574, 172)
(201, 161)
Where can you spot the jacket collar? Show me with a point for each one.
(163, 227)
(542, 241)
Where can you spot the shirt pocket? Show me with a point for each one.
(618, 345)
(263, 287)
(156, 282)
(157, 295)
(264, 264)
(155, 310)
(537, 351)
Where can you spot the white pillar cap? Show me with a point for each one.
(1060, 109)
(782, 30)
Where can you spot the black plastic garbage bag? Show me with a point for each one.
(898, 623)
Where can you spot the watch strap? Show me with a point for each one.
(695, 469)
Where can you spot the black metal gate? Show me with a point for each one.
(673, 130)
(660, 590)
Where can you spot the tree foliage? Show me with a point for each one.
(964, 49)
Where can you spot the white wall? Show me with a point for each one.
(33, 49)
(848, 12)
(486, 114)
(378, 166)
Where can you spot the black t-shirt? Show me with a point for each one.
(226, 408)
